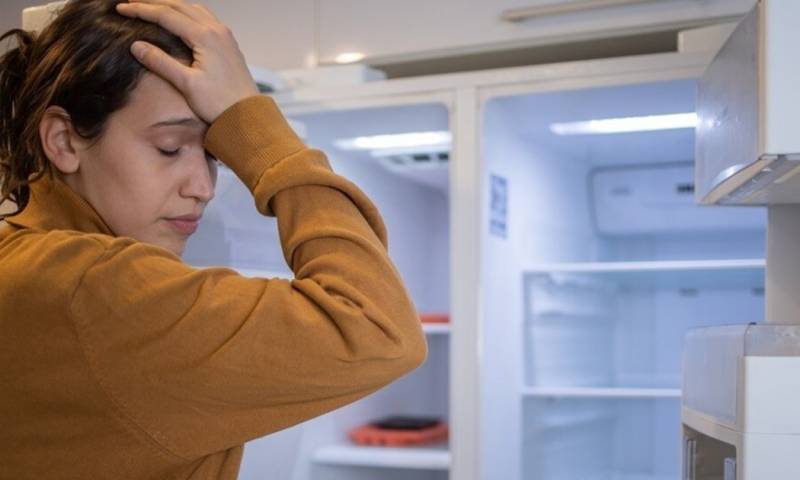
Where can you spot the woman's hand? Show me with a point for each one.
(217, 78)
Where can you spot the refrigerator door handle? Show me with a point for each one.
(689, 449)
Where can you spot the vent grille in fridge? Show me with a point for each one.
(415, 160)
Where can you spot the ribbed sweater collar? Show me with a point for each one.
(53, 205)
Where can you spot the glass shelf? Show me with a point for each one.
(740, 273)
(252, 272)
(436, 328)
(601, 392)
(435, 457)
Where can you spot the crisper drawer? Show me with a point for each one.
(659, 199)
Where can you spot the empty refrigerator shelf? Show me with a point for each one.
(601, 392)
(631, 476)
(740, 273)
(571, 312)
(252, 272)
(419, 458)
(247, 272)
(436, 329)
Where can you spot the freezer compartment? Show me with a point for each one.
(611, 262)
(605, 439)
(414, 204)
(619, 329)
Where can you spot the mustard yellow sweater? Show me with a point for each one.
(119, 361)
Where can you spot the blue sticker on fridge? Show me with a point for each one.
(498, 206)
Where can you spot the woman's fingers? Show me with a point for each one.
(163, 65)
(167, 17)
(218, 76)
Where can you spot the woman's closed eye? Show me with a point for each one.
(168, 152)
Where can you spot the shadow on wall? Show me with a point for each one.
(11, 15)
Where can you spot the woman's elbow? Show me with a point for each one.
(415, 353)
(418, 352)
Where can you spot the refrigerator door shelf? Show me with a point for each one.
(746, 148)
(771, 180)
(743, 378)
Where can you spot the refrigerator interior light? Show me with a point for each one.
(626, 125)
(397, 141)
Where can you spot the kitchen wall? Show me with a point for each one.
(273, 34)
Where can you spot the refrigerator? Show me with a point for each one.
(571, 265)
(597, 262)
(409, 185)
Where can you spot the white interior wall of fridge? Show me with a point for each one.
(415, 207)
(540, 199)
(603, 269)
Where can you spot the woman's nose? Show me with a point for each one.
(201, 179)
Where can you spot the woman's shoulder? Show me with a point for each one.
(14, 239)
(64, 256)
(21, 241)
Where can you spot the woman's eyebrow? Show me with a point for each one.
(181, 122)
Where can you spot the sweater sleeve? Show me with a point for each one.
(203, 359)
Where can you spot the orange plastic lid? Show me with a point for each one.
(434, 318)
(370, 435)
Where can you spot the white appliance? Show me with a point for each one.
(617, 263)
(740, 405)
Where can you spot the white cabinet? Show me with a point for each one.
(390, 30)
(271, 34)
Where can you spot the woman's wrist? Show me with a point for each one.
(251, 136)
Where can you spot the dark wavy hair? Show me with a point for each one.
(80, 62)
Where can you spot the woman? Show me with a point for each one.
(119, 360)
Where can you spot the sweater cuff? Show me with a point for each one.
(250, 137)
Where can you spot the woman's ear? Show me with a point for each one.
(58, 140)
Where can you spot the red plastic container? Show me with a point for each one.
(375, 435)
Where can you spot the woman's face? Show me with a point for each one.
(148, 175)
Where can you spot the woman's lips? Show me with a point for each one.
(185, 226)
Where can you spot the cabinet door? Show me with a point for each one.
(271, 34)
(391, 30)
